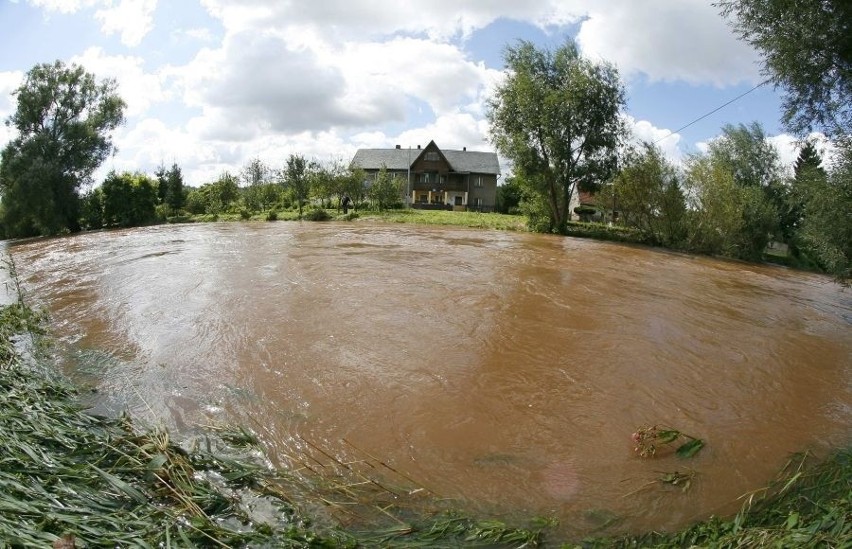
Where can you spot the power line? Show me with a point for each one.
(719, 108)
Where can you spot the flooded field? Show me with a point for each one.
(504, 372)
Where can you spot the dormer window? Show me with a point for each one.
(431, 156)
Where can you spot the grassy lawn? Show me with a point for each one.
(476, 220)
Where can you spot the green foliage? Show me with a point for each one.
(649, 440)
(63, 120)
(725, 218)
(747, 154)
(585, 210)
(174, 198)
(272, 215)
(509, 195)
(214, 198)
(807, 505)
(128, 199)
(385, 191)
(825, 231)
(557, 118)
(809, 159)
(259, 192)
(92, 209)
(352, 185)
(807, 52)
(318, 214)
(297, 179)
(646, 194)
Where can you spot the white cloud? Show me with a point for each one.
(789, 146)
(451, 131)
(328, 77)
(63, 6)
(668, 40)
(139, 89)
(132, 19)
(347, 20)
(435, 73)
(668, 142)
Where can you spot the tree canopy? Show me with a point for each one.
(296, 177)
(63, 122)
(647, 196)
(557, 117)
(807, 51)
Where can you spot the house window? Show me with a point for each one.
(424, 177)
(423, 198)
(477, 181)
(478, 202)
(431, 157)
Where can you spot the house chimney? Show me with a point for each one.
(464, 148)
(398, 147)
(418, 147)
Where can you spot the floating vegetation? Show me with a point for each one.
(809, 504)
(649, 439)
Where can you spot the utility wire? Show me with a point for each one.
(737, 98)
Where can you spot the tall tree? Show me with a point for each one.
(297, 179)
(175, 197)
(647, 195)
(754, 162)
(809, 159)
(509, 195)
(63, 121)
(352, 185)
(255, 177)
(725, 217)
(807, 51)
(751, 158)
(825, 231)
(557, 117)
(128, 199)
(386, 190)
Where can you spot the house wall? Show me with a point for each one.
(441, 185)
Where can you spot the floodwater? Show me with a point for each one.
(502, 372)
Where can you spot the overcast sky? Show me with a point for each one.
(210, 84)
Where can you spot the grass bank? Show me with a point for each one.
(476, 220)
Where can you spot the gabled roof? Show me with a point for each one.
(401, 160)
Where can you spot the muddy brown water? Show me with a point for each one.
(503, 372)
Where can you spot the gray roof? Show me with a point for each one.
(401, 159)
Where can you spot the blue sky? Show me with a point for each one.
(211, 84)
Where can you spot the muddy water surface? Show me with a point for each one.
(503, 371)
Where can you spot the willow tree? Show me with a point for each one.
(807, 52)
(63, 123)
(557, 117)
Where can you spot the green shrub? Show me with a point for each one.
(351, 216)
(585, 210)
(272, 215)
(317, 214)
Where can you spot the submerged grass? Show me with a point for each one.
(809, 504)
